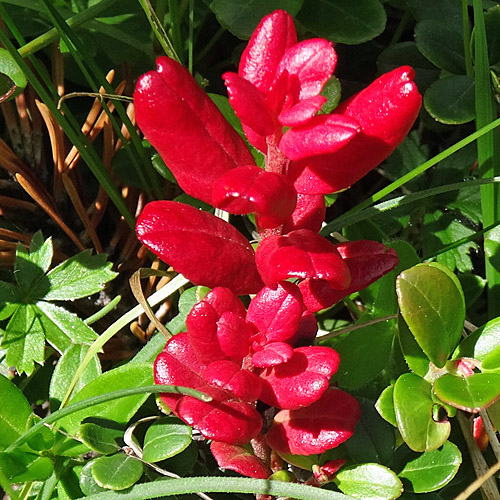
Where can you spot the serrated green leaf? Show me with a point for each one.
(372, 481)
(472, 394)
(450, 100)
(385, 405)
(66, 322)
(165, 438)
(442, 44)
(9, 299)
(100, 439)
(13, 80)
(31, 265)
(413, 406)
(24, 340)
(433, 306)
(14, 412)
(373, 439)
(21, 467)
(117, 472)
(120, 410)
(344, 21)
(433, 469)
(78, 277)
(65, 370)
(241, 17)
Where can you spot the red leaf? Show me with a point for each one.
(317, 428)
(302, 112)
(276, 311)
(306, 331)
(186, 128)
(308, 214)
(272, 354)
(249, 189)
(302, 380)
(239, 459)
(301, 254)
(205, 249)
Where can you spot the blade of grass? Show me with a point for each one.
(488, 147)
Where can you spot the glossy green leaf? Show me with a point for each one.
(372, 481)
(305, 462)
(117, 472)
(492, 25)
(442, 44)
(415, 358)
(430, 9)
(385, 405)
(78, 277)
(434, 469)
(332, 91)
(373, 439)
(119, 410)
(450, 99)
(43, 440)
(13, 80)
(481, 342)
(344, 21)
(100, 439)
(65, 370)
(14, 412)
(413, 406)
(491, 362)
(472, 394)
(87, 482)
(241, 17)
(433, 306)
(165, 438)
(20, 467)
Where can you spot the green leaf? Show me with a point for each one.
(119, 410)
(373, 439)
(21, 467)
(99, 439)
(12, 79)
(372, 481)
(65, 370)
(491, 362)
(332, 91)
(492, 25)
(430, 9)
(481, 342)
(165, 438)
(344, 21)
(43, 440)
(14, 412)
(31, 265)
(450, 99)
(434, 469)
(413, 406)
(241, 17)
(415, 358)
(24, 340)
(117, 472)
(88, 484)
(433, 306)
(472, 394)
(186, 302)
(442, 44)
(78, 277)
(9, 299)
(385, 405)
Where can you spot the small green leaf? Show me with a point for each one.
(385, 405)
(442, 44)
(450, 99)
(472, 394)
(14, 412)
(305, 462)
(21, 467)
(99, 439)
(481, 342)
(372, 481)
(9, 299)
(241, 17)
(117, 472)
(78, 277)
(415, 358)
(165, 438)
(87, 482)
(65, 370)
(12, 78)
(332, 91)
(434, 469)
(344, 21)
(413, 406)
(433, 306)
(491, 362)
(44, 439)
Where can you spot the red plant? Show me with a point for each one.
(249, 360)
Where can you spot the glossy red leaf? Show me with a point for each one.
(302, 111)
(191, 135)
(250, 189)
(205, 249)
(272, 354)
(386, 111)
(267, 45)
(301, 254)
(309, 213)
(323, 425)
(302, 380)
(223, 300)
(239, 459)
(276, 311)
(306, 331)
